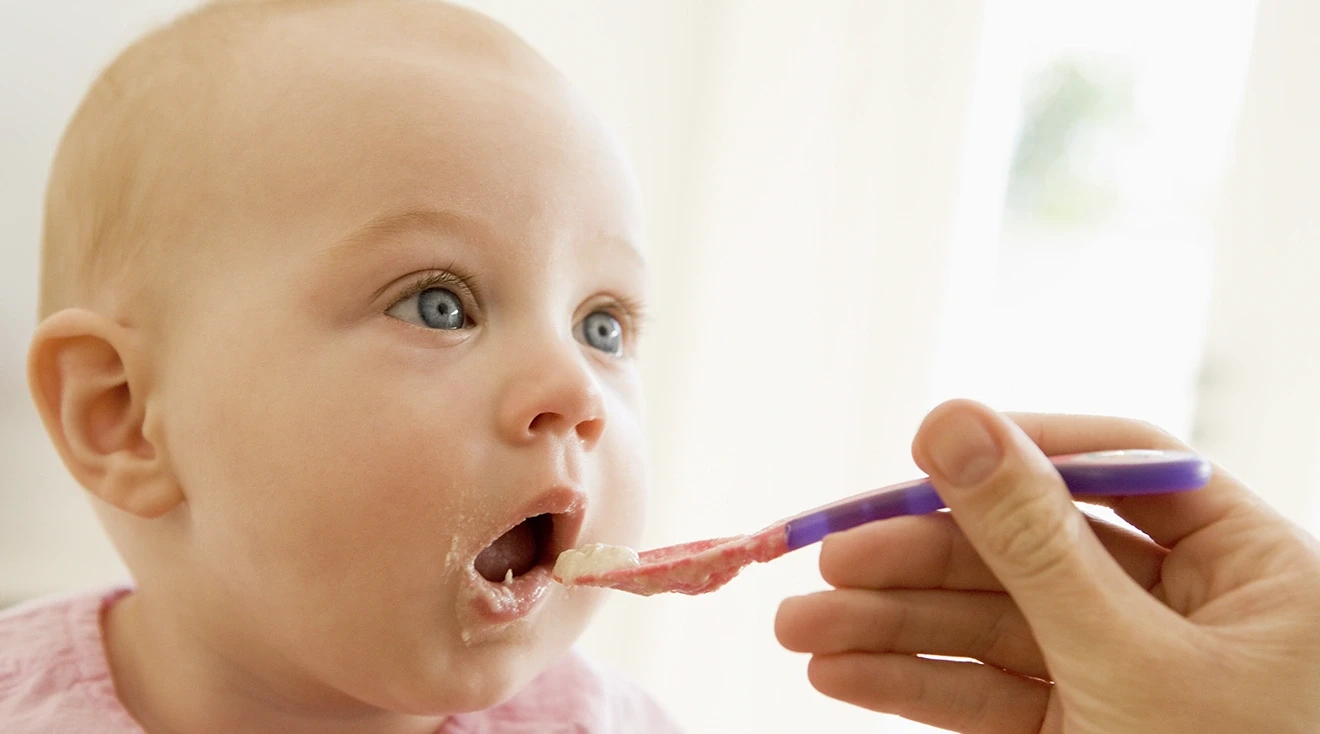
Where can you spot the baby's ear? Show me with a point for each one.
(90, 386)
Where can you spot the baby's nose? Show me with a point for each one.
(558, 397)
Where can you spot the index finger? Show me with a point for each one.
(930, 552)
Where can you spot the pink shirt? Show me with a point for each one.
(55, 679)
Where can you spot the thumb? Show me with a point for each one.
(1009, 501)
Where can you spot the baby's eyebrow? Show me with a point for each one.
(389, 226)
(442, 222)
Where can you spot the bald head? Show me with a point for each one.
(147, 163)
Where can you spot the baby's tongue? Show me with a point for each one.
(514, 550)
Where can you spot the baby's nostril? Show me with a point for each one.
(589, 430)
(544, 422)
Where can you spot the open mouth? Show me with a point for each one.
(511, 576)
(525, 546)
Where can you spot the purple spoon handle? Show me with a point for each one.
(1108, 473)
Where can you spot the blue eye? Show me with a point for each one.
(602, 331)
(433, 308)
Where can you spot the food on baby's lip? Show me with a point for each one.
(593, 560)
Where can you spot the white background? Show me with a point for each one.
(825, 186)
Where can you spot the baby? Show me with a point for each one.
(340, 302)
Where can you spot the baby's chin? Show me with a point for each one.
(462, 690)
(487, 681)
(477, 674)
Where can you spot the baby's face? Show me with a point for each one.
(401, 368)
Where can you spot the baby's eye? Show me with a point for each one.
(602, 331)
(433, 308)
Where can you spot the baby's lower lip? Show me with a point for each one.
(501, 603)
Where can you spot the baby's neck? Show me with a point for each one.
(171, 678)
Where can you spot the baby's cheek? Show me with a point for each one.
(625, 489)
(319, 476)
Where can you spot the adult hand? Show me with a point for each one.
(1210, 624)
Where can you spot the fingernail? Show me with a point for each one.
(962, 449)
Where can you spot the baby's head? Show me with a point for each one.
(335, 294)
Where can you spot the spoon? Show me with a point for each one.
(706, 565)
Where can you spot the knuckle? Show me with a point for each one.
(979, 714)
(894, 623)
(994, 640)
(1033, 530)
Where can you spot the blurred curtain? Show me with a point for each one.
(1259, 403)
